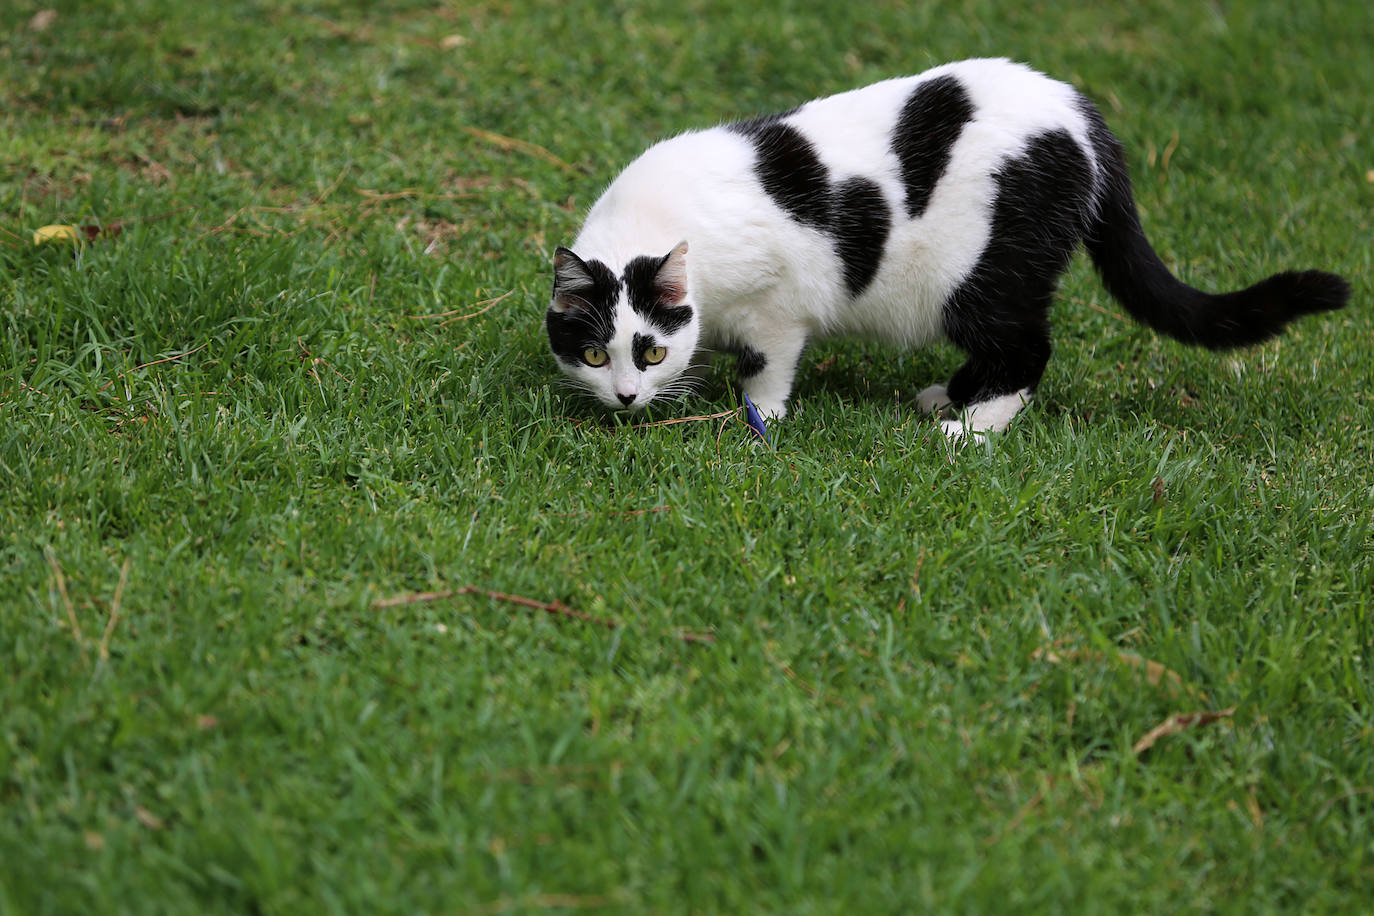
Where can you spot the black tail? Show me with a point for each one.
(1136, 277)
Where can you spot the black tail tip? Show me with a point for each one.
(1308, 291)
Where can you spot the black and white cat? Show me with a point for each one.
(947, 203)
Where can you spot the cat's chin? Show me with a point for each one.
(614, 406)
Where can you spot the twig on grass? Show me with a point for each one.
(628, 513)
(1156, 675)
(1179, 723)
(524, 146)
(557, 608)
(67, 601)
(486, 304)
(674, 420)
(1093, 305)
(552, 607)
(104, 651)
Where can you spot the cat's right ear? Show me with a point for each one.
(571, 280)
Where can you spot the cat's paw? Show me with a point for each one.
(933, 399)
(957, 432)
(990, 416)
(768, 408)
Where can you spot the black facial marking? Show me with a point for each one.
(999, 315)
(641, 288)
(930, 123)
(861, 221)
(588, 321)
(641, 343)
(789, 169)
(750, 362)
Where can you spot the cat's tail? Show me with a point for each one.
(1138, 279)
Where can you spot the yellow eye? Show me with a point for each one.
(595, 357)
(654, 355)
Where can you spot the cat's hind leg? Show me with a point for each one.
(999, 314)
(1008, 347)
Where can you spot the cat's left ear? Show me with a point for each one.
(571, 280)
(670, 283)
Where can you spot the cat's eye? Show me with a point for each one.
(654, 355)
(594, 356)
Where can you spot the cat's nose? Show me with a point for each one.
(626, 399)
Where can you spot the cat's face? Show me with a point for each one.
(625, 339)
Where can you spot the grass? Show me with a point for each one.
(858, 672)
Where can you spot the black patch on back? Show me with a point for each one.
(591, 325)
(860, 222)
(750, 362)
(789, 169)
(999, 315)
(642, 291)
(748, 127)
(925, 134)
(854, 212)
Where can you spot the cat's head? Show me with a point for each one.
(625, 339)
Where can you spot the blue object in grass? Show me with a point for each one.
(755, 420)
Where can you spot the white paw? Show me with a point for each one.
(768, 408)
(990, 416)
(933, 399)
(957, 432)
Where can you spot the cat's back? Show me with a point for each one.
(862, 210)
(996, 102)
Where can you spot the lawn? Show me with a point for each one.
(319, 592)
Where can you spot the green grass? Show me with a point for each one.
(234, 402)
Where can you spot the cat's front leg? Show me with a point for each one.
(766, 372)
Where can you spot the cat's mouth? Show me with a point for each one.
(619, 405)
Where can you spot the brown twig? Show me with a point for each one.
(1177, 724)
(114, 609)
(670, 422)
(1094, 305)
(551, 607)
(1156, 675)
(524, 146)
(487, 303)
(67, 601)
(629, 513)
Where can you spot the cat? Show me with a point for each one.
(945, 204)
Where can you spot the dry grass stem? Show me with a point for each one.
(104, 652)
(524, 146)
(67, 602)
(675, 420)
(486, 304)
(1156, 675)
(1179, 723)
(557, 608)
